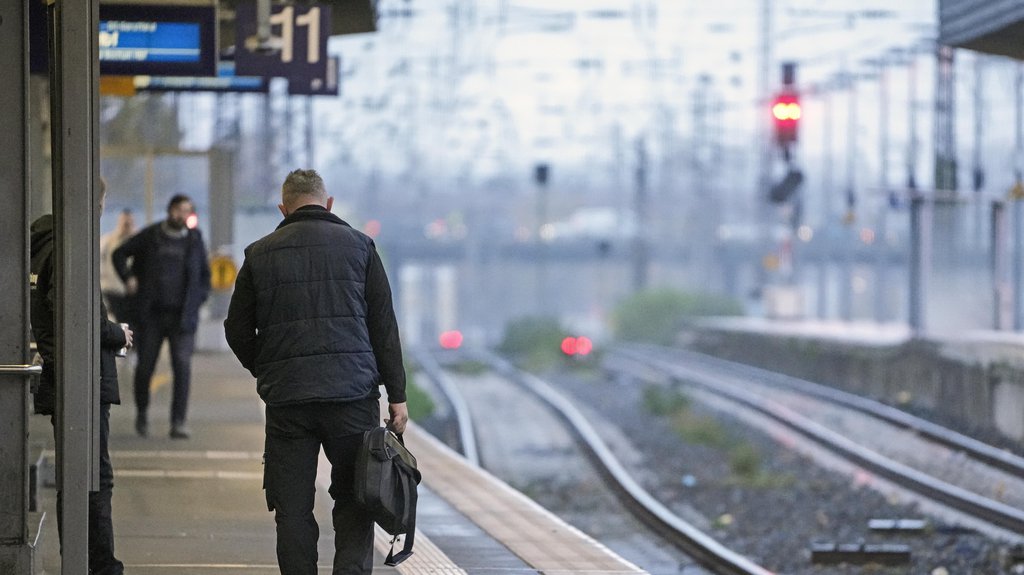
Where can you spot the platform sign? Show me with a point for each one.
(224, 81)
(299, 34)
(158, 39)
(326, 86)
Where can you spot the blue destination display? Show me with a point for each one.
(158, 40)
(149, 41)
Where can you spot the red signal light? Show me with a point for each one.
(569, 346)
(786, 113)
(192, 221)
(577, 345)
(451, 339)
(583, 345)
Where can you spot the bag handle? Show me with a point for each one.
(392, 559)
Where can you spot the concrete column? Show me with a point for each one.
(74, 102)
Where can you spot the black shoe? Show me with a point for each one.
(180, 432)
(141, 425)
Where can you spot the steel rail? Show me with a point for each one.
(704, 549)
(463, 419)
(981, 451)
(973, 504)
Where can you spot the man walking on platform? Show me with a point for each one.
(43, 298)
(169, 278)
(312, 319)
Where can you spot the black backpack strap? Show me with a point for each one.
(410, 535)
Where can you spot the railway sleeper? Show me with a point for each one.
(898, 525)
(860, 553)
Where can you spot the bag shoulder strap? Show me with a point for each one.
(410, 495)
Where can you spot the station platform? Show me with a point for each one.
(196, 506)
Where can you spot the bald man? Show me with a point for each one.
(312, 319)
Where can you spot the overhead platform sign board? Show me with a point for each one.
(158, 40)
(298, 47)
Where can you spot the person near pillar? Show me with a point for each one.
(166, 273)
(43, 303)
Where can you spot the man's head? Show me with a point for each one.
(303, 188)
(178, 210)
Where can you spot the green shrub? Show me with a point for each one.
(470, 367)
(701, 430)
(656, 316)
(745, 461)
(421, 406)
(661, 402)
(535, 341)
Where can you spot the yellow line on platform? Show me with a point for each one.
(159, 380)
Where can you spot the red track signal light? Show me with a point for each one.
(451, 339)
(577, 345)
(786, 114)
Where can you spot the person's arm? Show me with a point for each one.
(240, 324)
(383, 327)
(112, 336)
(129, 248)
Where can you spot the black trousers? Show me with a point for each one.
(294, 436)
(152, 330)
(101, 527)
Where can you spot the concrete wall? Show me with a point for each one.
(955, 381)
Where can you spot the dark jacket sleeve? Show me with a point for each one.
(129, 248)
(383, 328)
(240, 324)
(111, 334)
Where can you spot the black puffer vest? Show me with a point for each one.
(309, 277)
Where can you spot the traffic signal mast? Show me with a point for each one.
(786, 113)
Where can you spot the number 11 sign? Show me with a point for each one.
(298, 47)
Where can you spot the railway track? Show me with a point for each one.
(774, 395)
(704, 549)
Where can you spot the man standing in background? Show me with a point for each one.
(168, 279)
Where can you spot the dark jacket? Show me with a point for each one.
(311, 315)
(43, 316)
(144, 249)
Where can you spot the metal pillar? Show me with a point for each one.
(846, 286)
(765, 211)
(920, 258)
(912, 142)
(641, 256)
(222, 216)
(15, 548)
(1000, 283)
(74, 111)
(1018, 241)
(1018, 266)
(881, 241)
